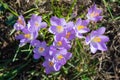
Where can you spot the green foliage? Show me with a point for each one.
(11, 19)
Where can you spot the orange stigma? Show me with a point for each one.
(37, 24)
(51, 63)
(20, 21)
(68, 35)
(94, 14)
(59, 43)
(41, 49)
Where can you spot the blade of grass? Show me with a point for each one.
(31, 10)
(16, 54)
(70, 10)
(29, 52)
(17, 70)
(12, 32)
(108, 8)
(8, 8)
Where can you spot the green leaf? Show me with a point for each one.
(5, 6)
(11, 19)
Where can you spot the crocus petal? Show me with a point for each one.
(54, 21)
(44, 44)
(35, 34)
(79, 35)
(22, 44)
(98, 18)
(19, 37)
(62, 61)
(94, 44)
(36, 56)
(92, 48)
(84, 30)
(57, 67)
(35, 17)
(35, 50)
(43, 25)
(63, 51)
(48, 71)
(102, 46)
(62, 22)
(93, 34)
(98, 10)
(25, 31)
(78, 22)
(52, 29)
(69, 25)
(24, 40)
(101, 30)
(35, 43)
(66, 44)
(59, 36)
(46, 52)
(45, 63)
(91, 9)
(17, 26)
(104, 38)
(87, 39)
(85, 22)
(68, 56)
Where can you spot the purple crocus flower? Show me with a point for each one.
(81, 27)
(61, 42)
(51, 65)
(57, 60)
(20, 24)
(26, 37)
(40, 49)
(61, 55)
(94, 14)
(97, 40)
(57, 25)
(35, 23)
(69, 33)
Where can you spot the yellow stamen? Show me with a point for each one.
(94, 14)
(59, 57)
(27, 36)
(41, 49)
(80, 27)
(59, 43)
(59, 28)
(97, 39)
(51, 63)
(37, 24)
(68, 35)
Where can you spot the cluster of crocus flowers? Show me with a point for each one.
(55, 59)
(57, 54)
(30, 30)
